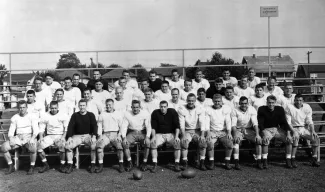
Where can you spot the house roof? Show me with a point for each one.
(69, 73)
(167, 71)
(260, 63)
(313, 68)
(20, 78)
(115, 74)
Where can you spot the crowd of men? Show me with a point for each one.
(176, 112)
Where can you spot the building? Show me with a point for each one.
(115, 74)
(284, 65)
(166, 73)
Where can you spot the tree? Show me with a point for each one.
(68, 60)
(140, 73)
(42, 74)
(3, 73)
(167, 65)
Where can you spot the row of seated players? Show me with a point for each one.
(203, 125)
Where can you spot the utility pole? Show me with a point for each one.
(308, 54)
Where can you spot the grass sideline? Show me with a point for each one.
(276, 178)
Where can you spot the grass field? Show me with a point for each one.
(276, 178)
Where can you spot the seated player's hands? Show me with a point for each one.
(229, 136)
(202, 139)
(209, 137)
(119, 138)
(124, 141)
(100, 138)
(147, 140)
(93, 140)
(314, 135)
(289, 138)
(11, 142)
(153, 140)
(31, 142)
(177, 140)
(258, 138)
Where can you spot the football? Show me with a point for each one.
(137, 175)
(189, 173)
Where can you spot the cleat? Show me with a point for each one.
(210, 166)
(154, 169)
(92, 168)
(202, 165)
(184, 165)
(45, 168)
(237, 167)
(31, 170)
(294, 163)
(288, 163)
(315, 163)
(265, 165)
(143, 167)
(259, 164)
(121, 168)
(69, 169)
(10, 169)
(177, 168)
(227, 165)
(129, 166)
(100, 168)
(62, 168)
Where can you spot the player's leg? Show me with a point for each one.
(42, 144)
(141, 137)
(100, 145)
(201, 147)
(5, 148)
(306, 134)
(88, 141)
(282, 134)
(186, 139)
(228, 144)
(267, 135)
(238, 137)
(32, 149)
(210, 150)
(160, 139)
(75, 141)
(177, 150)
(60, 143)
(117, 143)
(250, 135)
(130, 139)
(294, 149)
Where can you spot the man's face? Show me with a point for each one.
(251, 73)
(201, 95)
(175, 95)
(126, 75)
(243, 105)
(119, 93)
(191, 102)
(83, 107)
(98, 86)
(271, 83)
(62, 84)
(59, 95)
(270, 104)
(96, 75)
(87, 95)
(54, 109)
(148, 95)
(110, 106)
(144, 85)
(198, 75)
(243, 83)
(164, 87)
(298, 101)
(218, 85)
(68, 84)
(288, 89)
(188, 85)
(163, 108)
(122, 82)
(22, 109)
(135, 108)
(38, 84)
(30, 98)
(259, 91)
(217, 102)
(75, 80)
(229, 93)
(152, 76)
(48, 80)
(226, 74)
(175, 76)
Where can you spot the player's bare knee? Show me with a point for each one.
(5, 147)
(210, 146)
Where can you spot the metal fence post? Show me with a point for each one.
(96, 59)
(10, 69)
(183, 58)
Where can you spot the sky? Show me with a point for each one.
(90, 25)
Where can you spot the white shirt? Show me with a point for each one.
(66, 108)
(283, 101)
(252, 84)
(136, 122)
(202, 84)
(53, 87)
(232, 81)
(276, 92)
(36, 108)
(183, 94)
(256, 102)
(159, 95)
(191, 118)
(101, 97)
(150, 106)
(129, 84)
(176, 84)
(73, 95)
(244, 120)
(177, 105)
(122, 105)
(248, 92)
(23, 125)
(43, 97)
(299, 117)
(231, 103)
(54, 124)
(206, 103)
(138, 95)
(108, 122)
(218, 119)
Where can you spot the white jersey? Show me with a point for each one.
(150, 106)
(299, 117)
(66, 107)
(276, 92)
(248, 92)
(53, 87)
(202, 84)
(108, 122)
(160, 96)
(218, 119)
(73, 95)
(176, 84)
(54, 124)
(183, 94)
(122, 105)
(44, 97)
(244, 120)
(191, 119)
(101, 97)
(252, 84)
(177, 105)
(206, 103)
(138, 122)
(36, 109)
(138, 95)
(284, 101)
(232, 81)
(27, 124)
(132, 83)
(231, 103)
(256, 102)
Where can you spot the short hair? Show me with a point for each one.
(121, 78)
(299, 96)
(67, 78)
(165, 82)
(96, 70)
(218, 80)
(288, 84)
(82, 101)
(21, 102)
(163, 102)
(229, 87)
(135, 102)
(109, 100)
(198, 70)
(188, 80)
(126, 71)
(251, 68)
(30, 92)
(190, 95)
(148, 90)
(226, 69)
(243, 98)
(200, 90)
(54, 103)
(152, 72)
(175, 89)
(217, 96)
(271, 97)
(38, 78)
(49, 75)
(87, 89)
(271, 77)
(99, 80)
(259, 86)
(76, 74)
(174, 70)
(243, 76)
(144, 79)
(59, 89)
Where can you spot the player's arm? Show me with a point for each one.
(71, 126)
(255, 125)
(201, 117)
(310, 123)
(176, 125)
(100, 127)
(147, 123)
(234, 119)
(94, 127)
(181, 122)
(206, 85)
(42, 127)
(12, 130)
(154, 125)
(228, 126)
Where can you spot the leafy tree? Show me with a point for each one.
(68, 60)
(3, 73)
(167, 65)
(140, 73)
(42, 74)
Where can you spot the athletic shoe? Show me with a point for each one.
(45, 168)
(184, 165)
(92, 168)
(227, 165)
(154, 168)
(121, 168)
(31, 170)
(177, 168)
(10, 169)
(315, 163)
(129, 166)
(202, 165)
(143, 166)
(259, 164)
(294, 163)
(210, 166)
(69, 169)
(237, 167)
(265, 165)
(63, 168)
(100, 168)
(288, 163)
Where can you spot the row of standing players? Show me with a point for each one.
(190, 124)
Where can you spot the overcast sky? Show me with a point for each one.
(78, 25)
